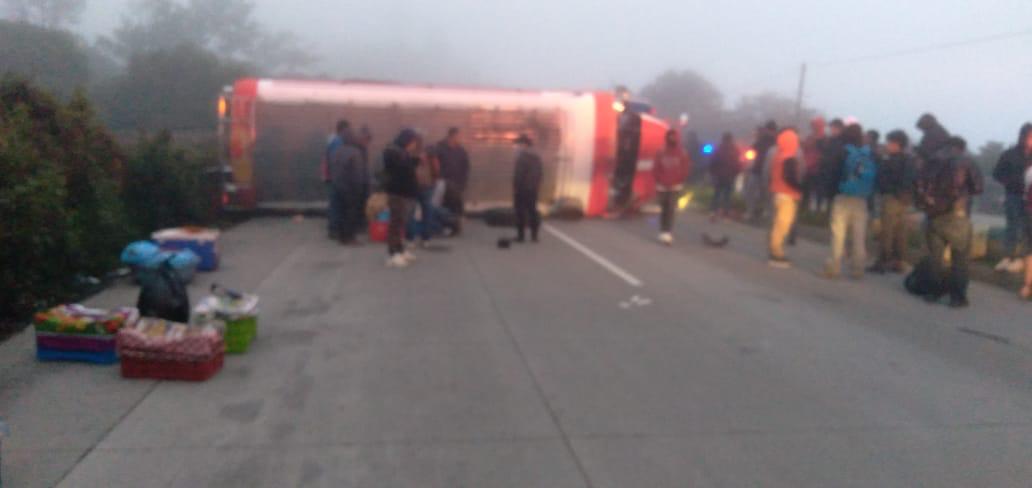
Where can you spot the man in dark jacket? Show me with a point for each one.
(1010, 172)
(945, 187)
(455, 169)
(400, 159)
(348, 175)
(526, 183)
(896, 175)
(833, 153)
(756, 185)
(333, 210)
(934, 142)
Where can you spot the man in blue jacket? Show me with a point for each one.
(849, 209)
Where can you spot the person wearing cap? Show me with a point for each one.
(897, 174)
(526, 184)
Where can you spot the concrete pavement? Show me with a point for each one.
(534, 367)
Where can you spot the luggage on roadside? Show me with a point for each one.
(163, 294)
(379, 225)
(203, 242)
(236, 312)
(922, 281)
(376, 205)
(164, 350)
(147, 257)
(77, 333)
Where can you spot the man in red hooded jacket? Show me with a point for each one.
(671, 168)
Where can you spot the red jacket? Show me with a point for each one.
(671, 168)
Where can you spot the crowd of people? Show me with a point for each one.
(419, 187)
(838, 170)
(847, 174)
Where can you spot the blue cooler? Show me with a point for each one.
(203, 242)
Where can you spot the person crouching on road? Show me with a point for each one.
(526, 184)
(400, 159)
(786, 188)
(949, 181)
(849, 210)
(896, 175)
(671, 168)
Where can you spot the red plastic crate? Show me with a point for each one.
(164, 369)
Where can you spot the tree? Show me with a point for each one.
(60, 204)
(51, 14)
(168, 89)
(53, 59)
(226, 28)
(755, 110)
(677, 92)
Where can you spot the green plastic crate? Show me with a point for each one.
(240, 334)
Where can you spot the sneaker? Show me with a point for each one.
(1004, 265)
(779, 262)
(408, 256)
(397, 261)
(666, 238)
(1016, 266)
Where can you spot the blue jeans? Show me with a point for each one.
(434, 218)
(333, 211)
(1014, 207)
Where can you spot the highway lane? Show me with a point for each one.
(539, 366)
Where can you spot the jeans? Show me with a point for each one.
(722, 197)
(668, 209)
(1014, 206)
(951, 232)
(848, 215)
(333, 211)
(400, 208)
(785, 209)
(433, 218)
(454, 202)
(755, 195)
(893, 240)
(525, 207)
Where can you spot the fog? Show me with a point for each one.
(979, 90)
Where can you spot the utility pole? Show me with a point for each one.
(799, 96)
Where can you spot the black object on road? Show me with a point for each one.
(163, 295)
(715, 242)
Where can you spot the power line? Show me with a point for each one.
(930, 48)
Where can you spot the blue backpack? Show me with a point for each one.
(858, 173)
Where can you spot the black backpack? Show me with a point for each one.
(163, 295)
(922, 281)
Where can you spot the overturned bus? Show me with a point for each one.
(274, 133)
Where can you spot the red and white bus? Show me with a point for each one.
(275, 132)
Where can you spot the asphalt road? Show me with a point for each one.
(596, 358)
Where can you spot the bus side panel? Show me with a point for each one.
(604, 154)
(241, 144)
(292, 138)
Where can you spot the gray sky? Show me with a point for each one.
(743, 46)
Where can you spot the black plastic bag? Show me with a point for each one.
(163, 295)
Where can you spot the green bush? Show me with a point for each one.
(165, 184)
(60, 209)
